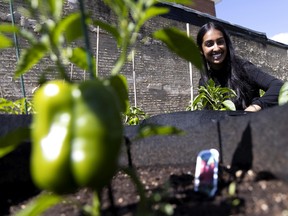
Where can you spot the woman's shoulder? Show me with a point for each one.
(244, 63)
(241, 61)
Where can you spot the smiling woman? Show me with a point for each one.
(214, 48)
(228, 70)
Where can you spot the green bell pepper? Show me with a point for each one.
(76, 136)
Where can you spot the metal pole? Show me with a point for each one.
(190, 71)
(71, 71)
(97, 51)
(134, 79)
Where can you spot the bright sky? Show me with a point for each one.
(266, 16)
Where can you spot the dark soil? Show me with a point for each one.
(259, 193)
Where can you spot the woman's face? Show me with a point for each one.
(214, 48)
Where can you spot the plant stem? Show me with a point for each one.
(96, 207)
(61, 69)
(86, 38)
(120, 62)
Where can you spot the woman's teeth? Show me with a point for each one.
(217, 56)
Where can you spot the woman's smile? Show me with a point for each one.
(217, 56)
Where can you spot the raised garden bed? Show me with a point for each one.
(255, 143)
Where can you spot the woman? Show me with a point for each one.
(228, 70)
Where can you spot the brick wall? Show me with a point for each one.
(162, 78)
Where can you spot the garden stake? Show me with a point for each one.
(71, 71)
(111, 198)
(190, 72)
(220, 141)
(97, 50)
(128, 148)
(86, 38)
(134, 78)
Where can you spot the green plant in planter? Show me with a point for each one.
(261, 92)
(15, 107)
(283, 95)
(71, 130)
(213, 97)
(134, 116)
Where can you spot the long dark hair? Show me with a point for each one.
(236, 78)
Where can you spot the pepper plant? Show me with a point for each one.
(16, 107)
(283, 95)
(134, 116)
(213, 97)
(77, 129)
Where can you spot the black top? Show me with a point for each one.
(256, 79)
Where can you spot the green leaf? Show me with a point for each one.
(19, 106)
(9, 107)
(5, 103)
(137, 111)
(11, 140)
(95, 207)
(283, 95)
(152, 12)
(35, 3)
(211, 83)
(56, 7)
(29, 58)
(118, 7)
(79, 58)
(16, 107)
(179, 43)
(8, 28)
(134, 115)
(215, 97)
(71, 26)
(119, 85)
(232, 188)
(197, 100)
(5, 42)
(40, 204)
(109, 28)
(228, 104)
(261, 92)
(29, 36)
(152, 130)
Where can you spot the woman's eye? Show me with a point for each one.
(209, 43)
(220, 42)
